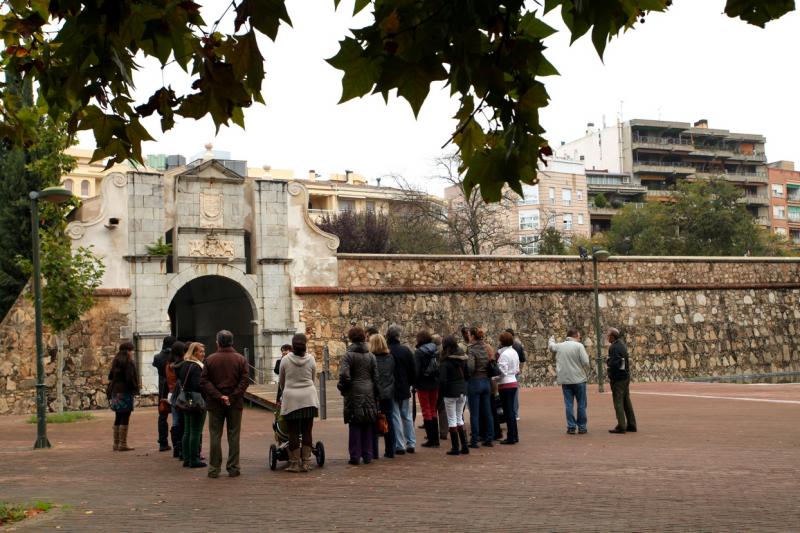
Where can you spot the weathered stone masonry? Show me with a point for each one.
(683, 317)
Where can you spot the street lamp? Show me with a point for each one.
(598, 254)
(55, 195)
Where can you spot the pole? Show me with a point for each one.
(323, 384)
(598, 339)
(41, 391)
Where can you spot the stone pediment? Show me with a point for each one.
(212, 169)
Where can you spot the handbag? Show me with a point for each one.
(164, 406)
(492, 369)
(189, 402)
(381, 424)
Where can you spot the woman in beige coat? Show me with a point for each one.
(299, 402)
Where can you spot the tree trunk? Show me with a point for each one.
(60, 373)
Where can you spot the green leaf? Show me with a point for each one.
(758, 12)
(264, 15)
(361, 73)
(532, 26)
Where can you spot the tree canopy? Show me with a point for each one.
(83, 57)
(706, 218)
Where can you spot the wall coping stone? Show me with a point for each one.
(568, 258)
(112, 292)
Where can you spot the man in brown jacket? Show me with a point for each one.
(224, 380)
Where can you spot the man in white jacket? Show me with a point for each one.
(572, 368)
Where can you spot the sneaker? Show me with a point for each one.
(583, 431)
(616, 430)
(401, 451)
(164, 448)
(506, 441)
(570, 431)
(488, 444)
(631, 429)
(388, 456)
(213, 475)
(234, 473)
(367, 460)
(410, 449)
(199, 465)
(354, 462)
(473, 445)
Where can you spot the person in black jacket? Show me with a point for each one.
(160, 361)
(426, 366)
(385, 361)
(189, 372)
(405, 439)
(452, 380)
(620, 377)
(123, 385)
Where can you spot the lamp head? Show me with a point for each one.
(54, 195)
(600, 255)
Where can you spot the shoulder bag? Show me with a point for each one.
(189, 402)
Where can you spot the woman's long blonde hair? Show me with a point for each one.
(377, 344)
(190, 352)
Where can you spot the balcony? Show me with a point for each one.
(664, 167)
(737, 177)
(762, 221)
(671, 144)
(620, 188)
(602, 211)
(793, 198)
(660, 193)
(755, 199)
(712, 151)
(755, 157)
(793, 218)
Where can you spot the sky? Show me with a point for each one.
(690, 63)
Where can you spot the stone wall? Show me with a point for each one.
(682, 318)
(91, 345)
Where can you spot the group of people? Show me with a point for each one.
(220, 380)
(378, 378)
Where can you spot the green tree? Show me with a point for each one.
(551, 242)
(705, 218)
(84, 57)
(600, 200)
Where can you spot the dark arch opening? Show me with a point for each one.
(208, 304)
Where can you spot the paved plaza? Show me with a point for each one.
(708, 457)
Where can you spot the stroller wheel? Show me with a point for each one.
(273, 457)
(319, 453)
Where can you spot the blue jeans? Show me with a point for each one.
(479, 398)
(404, 435)
(572, 393)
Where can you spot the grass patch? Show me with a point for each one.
(64, 418)
(13, 512)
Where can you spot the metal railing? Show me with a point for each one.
(666, 141)
(681, 164)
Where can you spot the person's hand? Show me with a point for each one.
(226, 400)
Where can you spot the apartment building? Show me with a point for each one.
(784, 185)
(84, 181)
(559, 200)
(608, 193)
(660, 154)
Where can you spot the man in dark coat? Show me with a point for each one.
(224, 380)
(404, 378)
(160, 361)
(620, 377)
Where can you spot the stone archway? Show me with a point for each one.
(207, 304)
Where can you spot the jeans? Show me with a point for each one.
(217, 418)
(404, 433)
(620, 392)
(177, 432)
(507, 397)
(191, 437)
(575, 392)
(454, 407)
(479, 395)
(427, 402)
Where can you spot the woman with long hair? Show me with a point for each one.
(189, 371)
(385, 361)
(123, 385)
(452, 378)
(177, 352)
(426, 361)
(479, 389)
(358, 383)
(299, 402)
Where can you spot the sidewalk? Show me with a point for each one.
(708, 457)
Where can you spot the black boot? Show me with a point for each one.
(453, 443)
(177, 442)
(431, 434)
(435, 431)
(462, 436)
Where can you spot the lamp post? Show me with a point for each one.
(598, 255)
(55, 195)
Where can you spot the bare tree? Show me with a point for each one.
(473, 226)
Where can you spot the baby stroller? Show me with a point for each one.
(280, 450)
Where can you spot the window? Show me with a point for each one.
(779, 212)
(794, 214)
(68, 185)
(370, 206)
(579, 195)
(567, 222)
(347, 205)
(795, 236)
(551, 220)
(529, 220)
(566, 196)
(85, 188)
(552, 194)
(780, 231)
(580, 220)
(529, 244)
(530, 195)
(777, 191)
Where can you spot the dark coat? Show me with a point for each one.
(123, 380)
(192, 381)
(520, 349)
(225, 374)
(405, 376)
(385, 376)
(160, 361)
(453, 376)
(422, 357)
(358, 379)
(617, 362)
(478, 357)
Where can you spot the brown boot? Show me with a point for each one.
(305, 456)
(123, 439)
(294, 461)
(116, 438)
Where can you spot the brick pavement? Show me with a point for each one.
(698, 464)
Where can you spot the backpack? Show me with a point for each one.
(431, 369)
